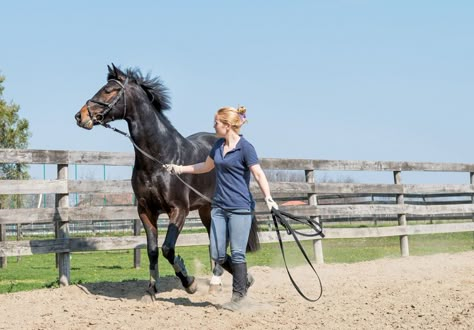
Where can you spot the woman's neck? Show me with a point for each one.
(232, 138)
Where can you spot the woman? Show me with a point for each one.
(234, 158)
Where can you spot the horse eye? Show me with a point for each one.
(108, 90)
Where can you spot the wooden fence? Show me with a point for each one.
(353, 201)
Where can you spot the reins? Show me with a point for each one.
(277, 215)
(157, 160)
(279, 218)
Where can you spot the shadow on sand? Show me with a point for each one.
(137, 290)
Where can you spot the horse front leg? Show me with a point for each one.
(149, 220)
(177, 218)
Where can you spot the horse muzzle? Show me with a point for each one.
(83, 119)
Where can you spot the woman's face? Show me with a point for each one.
(220, 127)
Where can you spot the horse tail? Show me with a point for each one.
(253, 243)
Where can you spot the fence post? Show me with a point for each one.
(3, 237)
(136, 252)
(313, 200)
(472, 196)
(62, 230)
(402, 218)
(18, 237)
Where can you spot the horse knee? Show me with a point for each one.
(168, 253)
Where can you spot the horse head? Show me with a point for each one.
(108, 104)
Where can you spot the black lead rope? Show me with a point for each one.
(277, 215)
(279, 218)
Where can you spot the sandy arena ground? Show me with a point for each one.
(429, 292)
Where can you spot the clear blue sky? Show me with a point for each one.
(349, 80)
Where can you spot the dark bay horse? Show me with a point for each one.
(140, 101)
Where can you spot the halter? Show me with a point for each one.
(109, 106)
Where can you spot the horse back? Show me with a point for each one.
(205, 139)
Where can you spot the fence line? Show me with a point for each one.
(324, 201)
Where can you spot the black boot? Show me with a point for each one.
(228, 266)
(239, 287)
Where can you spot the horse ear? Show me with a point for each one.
(111, 74)
(115, 73)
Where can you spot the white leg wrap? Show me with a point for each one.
(216, 280)
(154, 275)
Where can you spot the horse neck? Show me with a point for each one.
(153, 133)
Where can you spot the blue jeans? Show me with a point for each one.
(228, 228)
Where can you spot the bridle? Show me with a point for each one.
(109, 106)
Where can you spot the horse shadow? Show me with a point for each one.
(137, 290)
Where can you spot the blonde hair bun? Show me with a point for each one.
(241, 110)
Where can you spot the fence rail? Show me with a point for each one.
(323, 201)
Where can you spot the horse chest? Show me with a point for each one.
(145, 186)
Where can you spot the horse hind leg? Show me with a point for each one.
(215, 284)
(189, 283)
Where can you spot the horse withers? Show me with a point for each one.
(141, 102)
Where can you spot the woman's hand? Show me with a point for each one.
(173, 169)
(271, 203)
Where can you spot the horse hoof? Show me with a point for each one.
(215, 288)
(152, 292)
(192, 288)
(148, 298)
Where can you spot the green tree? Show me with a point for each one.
(14, 134)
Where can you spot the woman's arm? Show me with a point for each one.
(262, 181)
(198, 168)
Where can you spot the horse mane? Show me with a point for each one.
(153, 86)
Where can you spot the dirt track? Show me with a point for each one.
(430, 292)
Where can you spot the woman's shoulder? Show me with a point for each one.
(246, 146)
(245, 143)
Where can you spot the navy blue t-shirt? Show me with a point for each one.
(233, 174)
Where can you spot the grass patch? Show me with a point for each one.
(39, 271)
